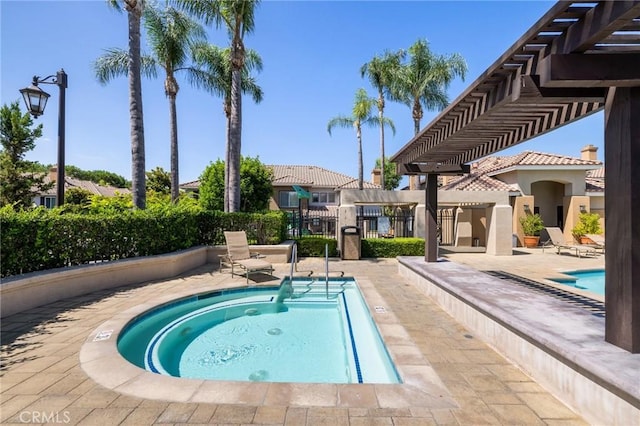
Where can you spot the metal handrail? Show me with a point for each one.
(326, 269)
(294, 259)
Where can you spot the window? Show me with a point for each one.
(323, 197)
(48, 202)
(287, 199)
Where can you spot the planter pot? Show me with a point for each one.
(586, 240)
(530, 241)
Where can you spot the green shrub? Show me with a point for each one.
(588, 223)
(315, 246)
(392, 247)
(40, 239)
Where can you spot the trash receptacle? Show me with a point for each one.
(350, 245)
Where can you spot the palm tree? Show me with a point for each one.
(423, 82)
(171, 33)
(361, 114)
(134, 10)
(238, 17)
(380, 71)
(216, 62)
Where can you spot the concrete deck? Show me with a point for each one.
(461, 380)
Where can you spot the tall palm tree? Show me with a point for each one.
(360, 115)
(134, 10)
(216, 62)
(238, 18)
(171, 34)
(423, 82)
(380, 71)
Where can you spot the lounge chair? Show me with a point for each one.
(556, 239)
(239, 256)
(598, 241)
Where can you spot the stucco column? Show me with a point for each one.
(499, 230)
(418, 222)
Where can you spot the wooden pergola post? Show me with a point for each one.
(622, 218)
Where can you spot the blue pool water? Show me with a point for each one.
(592, 281)
(254, 335)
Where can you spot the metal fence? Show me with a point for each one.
(385, 222)
(313, 223)
(374, 222)
(446, 219)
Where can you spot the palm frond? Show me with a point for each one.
(340, 121)
(115, 63)
(171, 33)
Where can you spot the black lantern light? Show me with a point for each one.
(36, 100)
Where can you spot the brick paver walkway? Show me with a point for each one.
(42, 381)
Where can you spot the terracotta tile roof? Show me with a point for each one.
(478, 182)
(594, 185)
(596, 174)
(313, 176)
(495, 165)
(94, 188)
(308, 176)
(194, 184)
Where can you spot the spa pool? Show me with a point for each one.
(305, 330)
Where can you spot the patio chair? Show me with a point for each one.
(556, 239)
(598, 241)
(239, 256)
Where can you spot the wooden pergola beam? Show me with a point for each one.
(586, 71)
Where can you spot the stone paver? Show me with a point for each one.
(41, 369)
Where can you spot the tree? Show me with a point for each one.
(159, 180)
(361, 114)
(380, 71)
(171, 34)
(101, 177)
(134, 10)
(255, 185)
(77, 196)
(238, 18)
(216, 62)
(423, 82)
(19, 184)
(391, 178)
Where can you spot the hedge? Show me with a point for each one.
(43, 239)
(392, 247)
(315, 246)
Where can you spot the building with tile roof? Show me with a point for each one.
(49, 198)
(558, 187)
(292, 183)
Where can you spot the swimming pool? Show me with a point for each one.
(319, 334)
(592, 280)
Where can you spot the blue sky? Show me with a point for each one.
(312, 53)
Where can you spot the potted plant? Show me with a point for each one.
(588, 223)
(532, 224)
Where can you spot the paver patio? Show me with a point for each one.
(42, 380)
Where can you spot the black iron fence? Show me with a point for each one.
(385, 222)
(322, 223)
(374, 222)
(446, 219)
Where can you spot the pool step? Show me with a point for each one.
(317, 289)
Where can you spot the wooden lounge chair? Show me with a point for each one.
(556, 239)
(239, 256)
(598, 241)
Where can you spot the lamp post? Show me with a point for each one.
(36, 99)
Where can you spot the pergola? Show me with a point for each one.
(576, 60)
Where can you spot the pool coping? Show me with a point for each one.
(561, 346)
(421, 385)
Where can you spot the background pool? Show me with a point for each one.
(592, 281)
